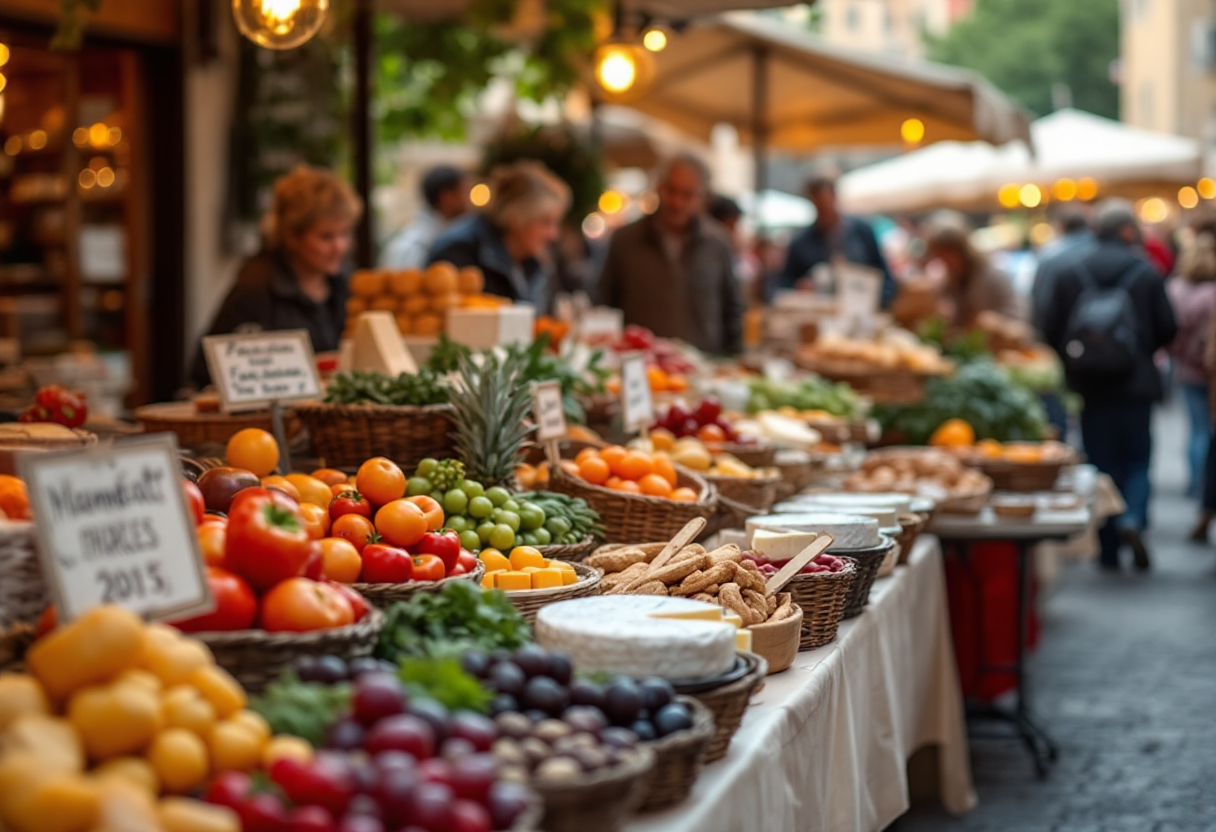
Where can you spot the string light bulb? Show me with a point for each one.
(623, 70)
(655, 39)
(279, 24)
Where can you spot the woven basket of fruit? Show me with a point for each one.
(344, 435)
(597, 801)
(1019, 466)
(756, 492)
(572, 552)
(628, 515)
(381, 595)
(679, 758)
(777, 639)
(869, 563)
(728, 702)
(23, 592)
(258, 657)
(195, 427)
(822, 595)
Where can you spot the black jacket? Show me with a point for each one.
(267, 298)
(474, 241)
(1108, 262)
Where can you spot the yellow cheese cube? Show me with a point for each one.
(487, 582)
(494, 560)
(732, 618)
(569, 576)
(710, 613)
(743, 640)
(512, 580)
(531, 569)
(565, 566)
(546, 578)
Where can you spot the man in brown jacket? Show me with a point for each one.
(672, 272)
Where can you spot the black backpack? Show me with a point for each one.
(1102, 339)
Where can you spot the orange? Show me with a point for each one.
(677, 383)
(655, 486)
(613, 455)
(401, 523)
(570, 467)
(613, 483)
(684, 495)
(953, 433)
(330, 476)
(525, 475)
(584, 453)
(990, 448)
(354, 528)
(711, 433)
(283, 484)
(594, 470)
(634, 466)
(613, 386)
(312, 490)
(380, 480)
(661, 439)
(340, 560)
(657, 379)
(628, 486)
(253, 449)
(316, 520)
(665, 469)
(14, 500)
(431, 510)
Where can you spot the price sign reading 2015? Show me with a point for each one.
(548, 411)
(113, 528)
(636, 403)
(251, 371)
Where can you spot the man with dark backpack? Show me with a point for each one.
(1108, 315)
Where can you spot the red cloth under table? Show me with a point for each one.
(983, 591)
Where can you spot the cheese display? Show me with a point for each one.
(845, 502)
(780, 545)
(886, 516)
(640, 635)
(849, 531)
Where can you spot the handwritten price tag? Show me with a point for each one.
(113, 528)
(548, 411)
(858, 291)
(253, 370)
(636, 404)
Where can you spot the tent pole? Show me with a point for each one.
(361, 131)
(759, 120)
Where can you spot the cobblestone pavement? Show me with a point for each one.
(1125, 682)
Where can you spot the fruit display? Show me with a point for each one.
(1015, 453)
(633, 471)
(770, 566)
(893, 349)
(699, 456)
(810, 397)
(524, 568)
(706, 422)
(930, 473)
(115, 718)
(419, 300)
(57, 405)
(661, 353)
(492, 405)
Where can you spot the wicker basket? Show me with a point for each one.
(256, 658)
(910, 526)
(194, 428)
(796, 474)
(755, 454)
(890, 561)
(599, 802)
(822, 597)
(869, 562)
(14, 641)
(755, 492)
(382, 595)
(965, 502)
(572, 552)
(880, 385)
(1022, 476)
(529, 601)
(628, 518)
(347, 435)
(777, 641)
(23, 592)
(728, 702)
(678, 760)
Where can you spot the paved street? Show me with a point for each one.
(1125, 681)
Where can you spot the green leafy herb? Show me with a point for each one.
(427, 387)
(304, 709)
(444, 680)
(812, 393)
(446, 623)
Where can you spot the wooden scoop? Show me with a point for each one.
(818, 546)
(683, 537)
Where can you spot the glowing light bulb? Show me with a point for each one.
(617, 72)
(623, 70)
(1188, 197)
(1030, 195)
(655, 39)
(1087, 189)
(612, 202)
(912, 130)
(479, 195)
(1064, 190)
(279, 24)
(1009, 196)
(4, 54)
(1154, 210)
(1206, 188)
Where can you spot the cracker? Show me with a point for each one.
(728, 553)
(650, 588)
(730, 597)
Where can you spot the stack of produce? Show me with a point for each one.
(525, 568)
(668, 364)
(633, 472)
(419, 299)
(811, 398)
(930, 473)
(114, 721)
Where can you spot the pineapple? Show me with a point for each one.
(492, 403)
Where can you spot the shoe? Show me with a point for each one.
(1199, 534)
(1140, 557)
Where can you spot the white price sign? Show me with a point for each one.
(113, 528)
(637, 406)
(548, 411)
(858, 291)
(251, 371)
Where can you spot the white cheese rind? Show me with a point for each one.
(848, 531)
(781, 545)
(617, 634)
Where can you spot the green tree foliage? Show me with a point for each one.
(1025, 47)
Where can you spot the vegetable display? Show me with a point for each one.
(425, 388)
(811, 393)
(459, 617)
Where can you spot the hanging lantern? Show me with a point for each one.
(623, 70)
(279, 24)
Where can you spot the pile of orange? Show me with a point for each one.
(633, 472)
(14, 501)
(660, 380)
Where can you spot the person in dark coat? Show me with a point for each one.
(833, 235)
(510, 240)
(1116, 418)
(300, 279)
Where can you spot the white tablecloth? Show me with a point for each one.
(824, 746)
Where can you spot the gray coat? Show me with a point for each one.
(697, 299)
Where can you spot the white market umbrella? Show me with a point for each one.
(773, 210)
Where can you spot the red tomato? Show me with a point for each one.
(444, 546)
(428, 568)
(349, 502)
(211, 542)
(430, 509)
(298, 605)
(236, 606)
(344, 488)
(456, 571)
(358, 604)
(401, 523)
(267, 539)
(468, 560)
(314, 567)
(194, 501)
(48, 621)
(383, 564)
(358, 530)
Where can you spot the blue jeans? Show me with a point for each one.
(1196, 398)
(1118, 439)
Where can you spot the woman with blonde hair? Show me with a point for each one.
(299, 278)
(510, 239)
